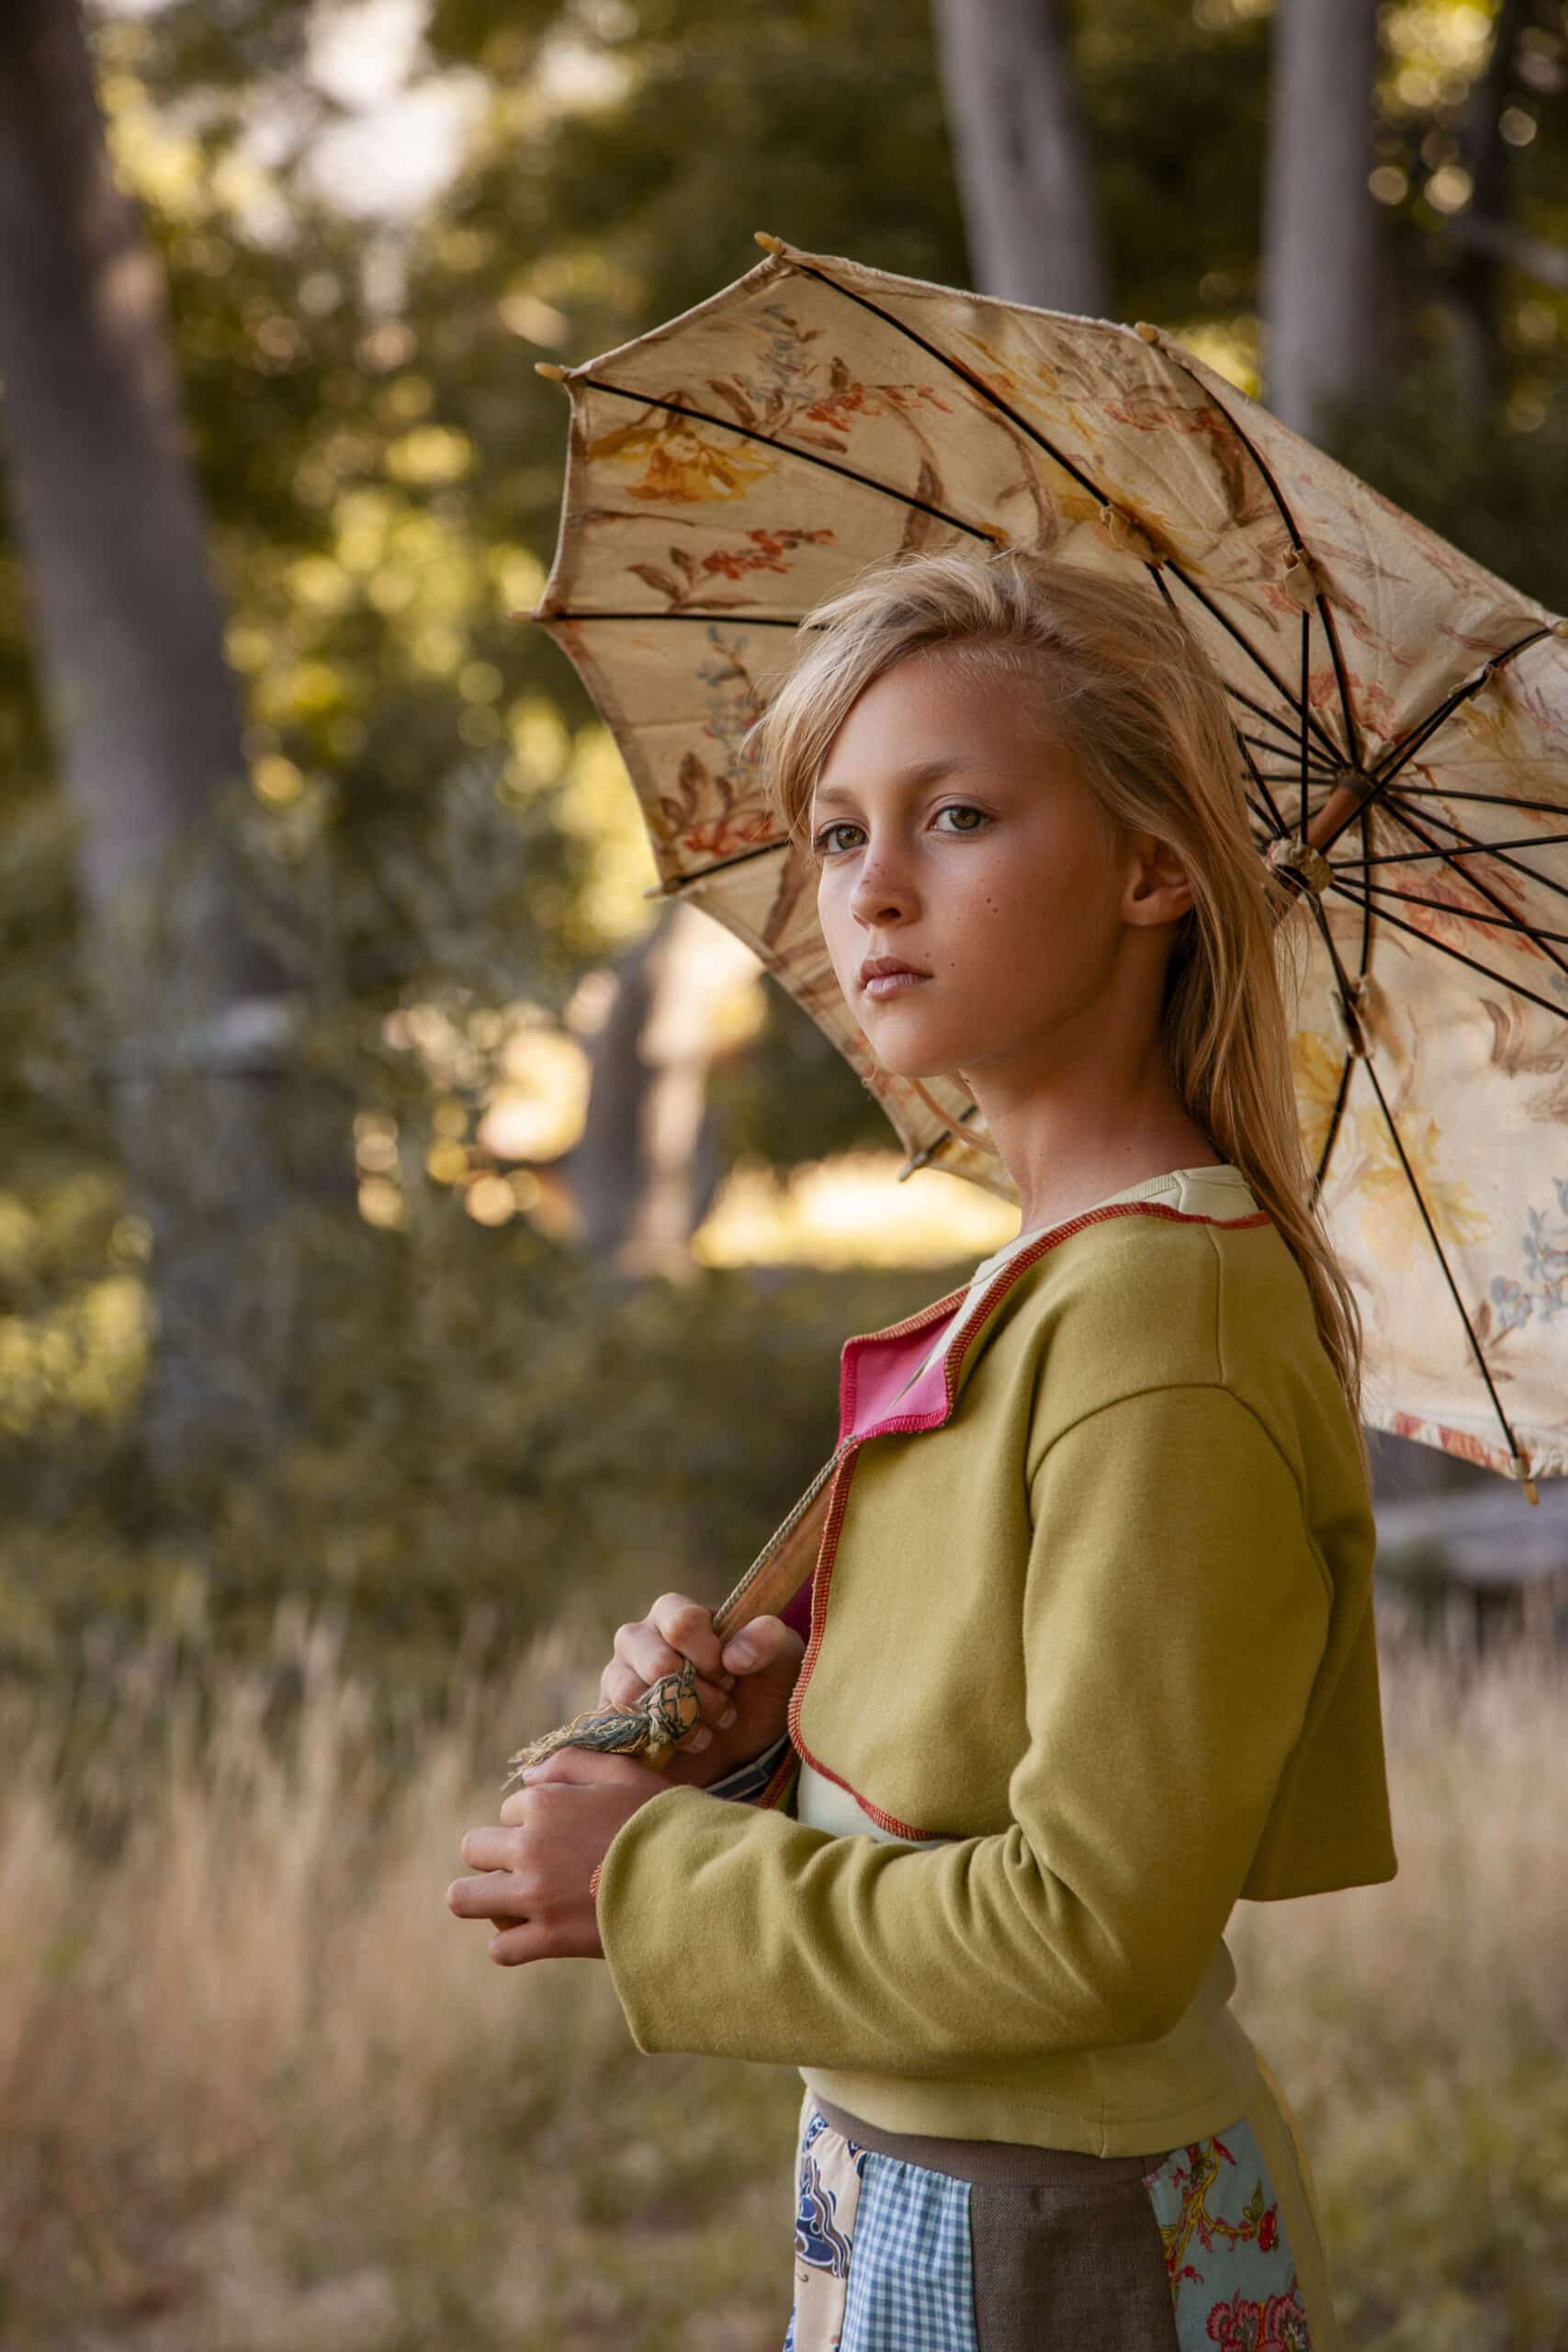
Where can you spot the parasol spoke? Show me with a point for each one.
(1304, 707)
(1272, 719)
(677, 613)
(1324, 767)
(1527, 873)
(1490, 799)
(1467, 914)
(955, 367)
(789, 450)
(1222, 620)
(1483, 888)
(1471, 849)
(1043, 441)
(1273, 821)
(1325, 611)
(1366, 1061)
(1400, 754)
(679, 882)
(1442, 947)
(1334, 1118)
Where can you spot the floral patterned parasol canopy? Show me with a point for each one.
(1401, 716)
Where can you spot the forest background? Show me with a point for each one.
(418, 1247)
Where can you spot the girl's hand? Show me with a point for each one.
(537, 1866)
(750, 1683)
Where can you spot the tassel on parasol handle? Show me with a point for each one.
(669, 1708)
(649, 1731)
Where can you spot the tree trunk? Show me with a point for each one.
(147, 732)
(642, 1176)
(1475, 271)
(1322, 275)
(1021, 154)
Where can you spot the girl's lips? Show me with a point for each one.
(890, 983)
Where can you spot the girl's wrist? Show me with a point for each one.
(744, 1780)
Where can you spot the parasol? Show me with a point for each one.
(1401, 715)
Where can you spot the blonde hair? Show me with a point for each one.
(1152, 735)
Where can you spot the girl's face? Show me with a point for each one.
(956, 836)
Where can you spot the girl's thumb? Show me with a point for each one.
(759, 1643)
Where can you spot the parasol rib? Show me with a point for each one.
(674, 613)
(1283, 691)
(1305, 705)
(1400, 754)
(1352, 734)
(1334, 1118)
(1491, 799)
(788, 449)
(1442, 947)
(1471, 849)
(1527, 873)
(1274, 820)
(1513, 1447)
(1483, 888)
(1514, 1450)
(679, 882)
(1323, 766)
(1468, 915)
(1041, 441)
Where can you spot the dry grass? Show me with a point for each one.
(262, 2091)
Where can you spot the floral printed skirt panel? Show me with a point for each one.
(992, 2246)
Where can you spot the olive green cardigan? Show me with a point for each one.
(1098, 1618)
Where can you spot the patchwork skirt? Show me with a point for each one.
(905, 2242)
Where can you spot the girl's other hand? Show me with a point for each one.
(751, 1682)
(536, 1871)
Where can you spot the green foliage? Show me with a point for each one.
(490, 1423)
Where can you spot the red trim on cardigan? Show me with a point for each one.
(822, 1574)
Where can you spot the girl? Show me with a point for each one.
(1087, 1651)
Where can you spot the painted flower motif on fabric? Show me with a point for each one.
(1543, 1254)
(1233, 2275)
(1315, 1068)
(681, 464)
(1276, 2325)
(1390, 1220)
(687, 580)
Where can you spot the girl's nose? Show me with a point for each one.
(880, 892)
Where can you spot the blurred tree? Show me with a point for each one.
(193, 1011)
(1323, 290)
(1022, 156)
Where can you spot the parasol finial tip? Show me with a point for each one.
(1560, 628)
(1149, 333)
(769, 244)
(1519, 1464)
(550, 372)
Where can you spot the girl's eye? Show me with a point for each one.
(823, 841)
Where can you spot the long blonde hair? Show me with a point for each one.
(1152, 735)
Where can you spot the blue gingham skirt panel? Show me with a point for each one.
(910, 2287)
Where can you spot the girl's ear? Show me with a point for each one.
(1160, 889)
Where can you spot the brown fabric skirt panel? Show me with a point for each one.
(1052, 2229)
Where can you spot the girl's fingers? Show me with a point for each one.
(619, 1686)
(514, 1944)
(494, 1894)
(687, 1626)
(492, 1847)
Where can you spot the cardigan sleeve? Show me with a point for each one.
(1174, 1610)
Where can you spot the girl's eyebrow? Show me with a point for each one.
(918, 772)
